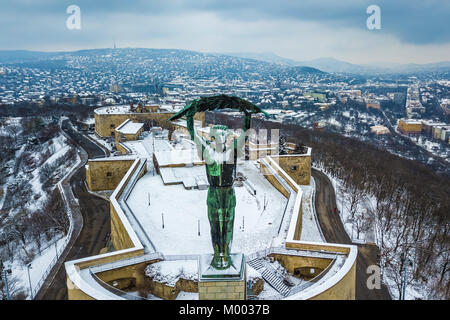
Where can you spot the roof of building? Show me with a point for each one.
(177, 157)
(120, 109)
(410, 121)
(129, 127)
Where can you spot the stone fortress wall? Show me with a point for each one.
(106, 122)
(106, 173)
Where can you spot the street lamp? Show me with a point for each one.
(405, 265)
(29, 280)
(56, 249)
(4, 276)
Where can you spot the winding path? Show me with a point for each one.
(95, 230)
(334, 232)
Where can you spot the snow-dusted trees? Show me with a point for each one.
(16, 292)
(362, 222)
(54, 215)
(411, 208)
(28, 230)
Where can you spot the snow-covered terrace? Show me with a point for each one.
(183, 210)
(121, 109)
(129, 127)
(144, 147)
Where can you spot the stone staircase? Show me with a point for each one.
(270, 275)
(256, 264)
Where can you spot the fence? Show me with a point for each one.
(297, 288)
(313, 203)
(68, 206)
(114, 290)
(126, 262)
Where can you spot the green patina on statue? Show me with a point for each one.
(220, 156)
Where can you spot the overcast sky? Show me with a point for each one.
(411, 30)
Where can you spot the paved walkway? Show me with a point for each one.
(91, 210)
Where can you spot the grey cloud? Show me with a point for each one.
(414, 22)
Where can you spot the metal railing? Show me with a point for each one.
(285, 185)
(68, 204)
(124, 206)
(313, 201)
(64, 244)
(126, 262)
(300, 287)
(114, 290)
(293, 252)
(131, 261)
(297, 289)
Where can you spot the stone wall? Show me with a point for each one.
(119, 235)
(222, 290)
(122, 149)
(291, 263)
(298, 167)
(409, 127)
(74, 293)
(106, 174)
(258, 286)
(271, 178)
(343, 290)
(124, 277)
(105, 124)
(127, 137)
(200, 117)
(167, 292)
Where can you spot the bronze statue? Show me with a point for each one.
(220, 156)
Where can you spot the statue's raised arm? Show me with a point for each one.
(216, 103)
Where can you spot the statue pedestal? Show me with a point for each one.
(228, 284)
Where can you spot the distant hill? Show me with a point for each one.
(161, 62)
(265, 56)
(13, 56)
(315, 66)
(338, 66)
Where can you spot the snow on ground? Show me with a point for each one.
(3, 193)
(410, 292)
(119, 109)
(144, 147)
(369, 202)
(268, 292)
(169, 272)
(89, 121)
(310, 228)
(252, 274)
(183, 295)
(39, 266)
(343, 205)
(59, 148)
(183, 210)
(44, 260)
(100, 141)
